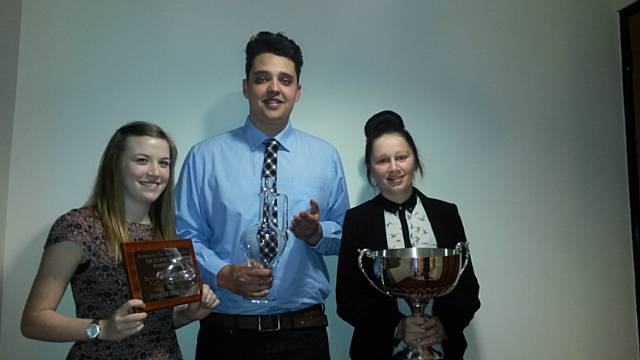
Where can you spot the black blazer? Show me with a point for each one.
(374, 316)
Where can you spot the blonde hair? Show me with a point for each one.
(107, 198)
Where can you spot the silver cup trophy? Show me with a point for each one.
(417, 275)
(272, 228)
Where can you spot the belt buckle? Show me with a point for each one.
(267, 328)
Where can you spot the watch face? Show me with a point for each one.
(92, 331)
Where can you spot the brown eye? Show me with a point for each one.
(286, 80)
(260, 79)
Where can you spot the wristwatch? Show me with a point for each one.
(93, 330)
(396, 332)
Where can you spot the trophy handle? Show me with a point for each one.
(283, 204)
(463, 247)
(367, 252)
(279, 201)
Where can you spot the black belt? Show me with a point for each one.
(311, 317)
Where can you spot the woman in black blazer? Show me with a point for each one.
(400, 216)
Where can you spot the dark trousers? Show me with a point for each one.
(294, 344)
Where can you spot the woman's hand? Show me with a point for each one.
(201, 309)
(197, 310)
(421, 331)
(124, 322)
(434, 333)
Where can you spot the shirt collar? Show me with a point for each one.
(392, 207)
(255, 137)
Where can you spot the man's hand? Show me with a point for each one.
(242, 279)
(306, 224)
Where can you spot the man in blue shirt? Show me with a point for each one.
(217, 199)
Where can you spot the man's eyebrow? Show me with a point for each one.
(260, 72)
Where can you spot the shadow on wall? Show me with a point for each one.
(26, 263)
(473, 350)
(340, 331)
(227, 112)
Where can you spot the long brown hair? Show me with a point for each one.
(107, 197)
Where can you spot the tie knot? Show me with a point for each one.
(270, 159)
(271, 145)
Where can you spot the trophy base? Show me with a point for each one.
(257, 300)
(411, 354)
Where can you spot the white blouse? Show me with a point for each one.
(420, 232)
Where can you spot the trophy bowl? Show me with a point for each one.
(417, 275)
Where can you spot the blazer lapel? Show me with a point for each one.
(378, 230)
(435, 218)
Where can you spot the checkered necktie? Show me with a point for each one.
(268, 242)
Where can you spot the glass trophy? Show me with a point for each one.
(264, 242)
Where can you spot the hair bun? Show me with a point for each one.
(383, 121)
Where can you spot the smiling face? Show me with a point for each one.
(145, 172)
(393, 163)
(272, 90)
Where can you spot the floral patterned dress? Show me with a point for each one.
(100, 287)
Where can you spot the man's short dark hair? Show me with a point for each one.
(272, 43)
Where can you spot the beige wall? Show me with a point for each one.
(516, 108)
(620, 4)
(9, 40)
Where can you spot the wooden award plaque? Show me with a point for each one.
(162, 273)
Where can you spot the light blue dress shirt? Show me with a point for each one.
(217, 199)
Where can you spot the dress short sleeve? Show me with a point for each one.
(76, 226)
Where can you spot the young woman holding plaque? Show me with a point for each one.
(400, 216)
(132, 200)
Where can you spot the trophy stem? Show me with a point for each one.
(417, 306)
